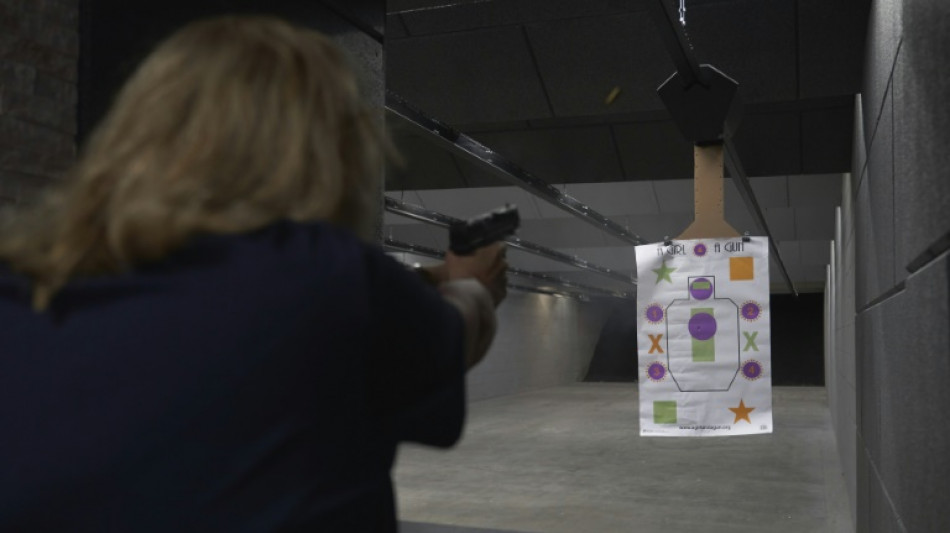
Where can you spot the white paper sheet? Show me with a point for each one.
(703, 338)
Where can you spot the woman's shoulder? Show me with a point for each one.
(281, 238)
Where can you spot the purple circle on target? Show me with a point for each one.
(751, 369)
(700, 288)
(700, 250)
(751, 310)
(654, 313)
(656, 371)
(702, 326)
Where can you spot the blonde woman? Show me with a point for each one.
(194, 335)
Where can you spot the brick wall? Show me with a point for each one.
(39, 51)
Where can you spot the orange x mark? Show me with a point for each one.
(656, 343)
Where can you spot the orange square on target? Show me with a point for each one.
(741, 268)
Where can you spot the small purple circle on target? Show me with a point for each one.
(654, 313)
(656, 371)
(701, 288)
(751, 311)
(702, 326)
(751, 369)
(700, 250)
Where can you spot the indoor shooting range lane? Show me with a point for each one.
(570, 459)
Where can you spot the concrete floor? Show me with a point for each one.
(569, 459)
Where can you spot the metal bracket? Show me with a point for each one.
(688, 70)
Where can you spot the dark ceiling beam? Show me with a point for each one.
(442, 220)
(460, 144)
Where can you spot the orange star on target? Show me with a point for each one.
(742, 412)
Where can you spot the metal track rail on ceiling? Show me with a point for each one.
(399, 246)
(460, 144)
(438, 219)
(678, 45)
(676, 41)
(748, 196)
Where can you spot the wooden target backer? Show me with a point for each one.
(709, 208)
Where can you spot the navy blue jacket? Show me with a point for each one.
(255, 382)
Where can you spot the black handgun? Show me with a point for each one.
(467, 236)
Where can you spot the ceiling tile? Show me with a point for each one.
(674, 196)
(744, 223)
(815, 190)
(538, 10)
(736, 212)
(654, 150)
(790, 251)
(826, 139)
(478, 175)
(831, 47)
(781, 221)
(535, 263)
(814, 223)
(775, 275)
(425, 166)
(655, 227)
(467, 203)
(768, 144)
(814, 252)
(770, 191)
(616, 198)
(612, 257)
(582, 59)
(791, 259)
(458, 16)
(746, 38)
(561, 233)
(812, 274)
(559, 155)
(467, 77)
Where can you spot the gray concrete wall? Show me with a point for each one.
(894, 242)
(542, 341)
(39, 50)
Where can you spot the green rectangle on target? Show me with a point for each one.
(664, 412)
(704, 351)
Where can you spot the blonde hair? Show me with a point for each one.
(229, 125)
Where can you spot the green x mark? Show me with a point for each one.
(750, 341)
